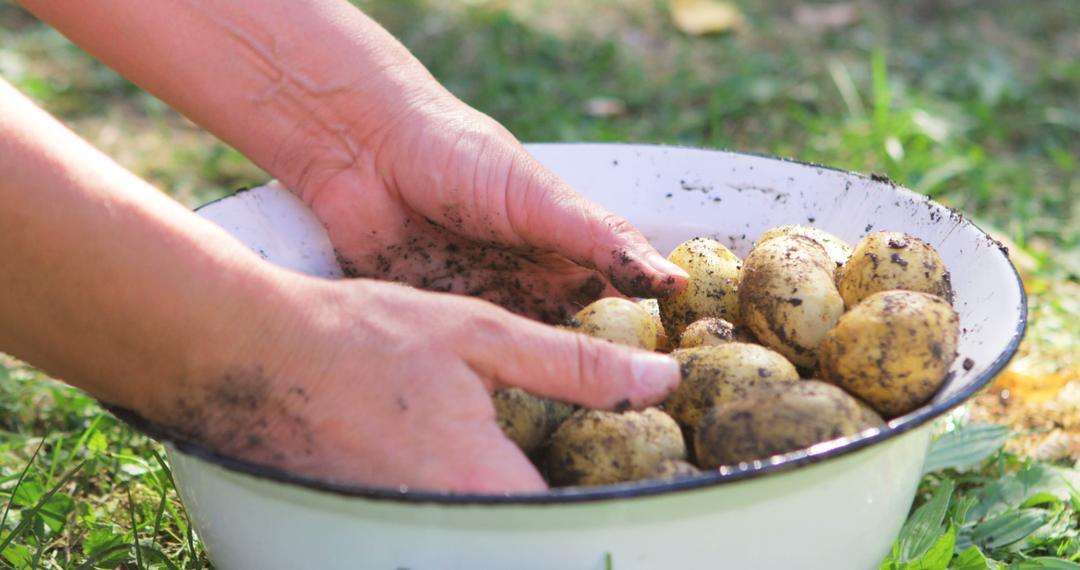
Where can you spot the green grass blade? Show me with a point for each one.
(135, 531)
(27, 520)
(22, 476)
(1045, 563)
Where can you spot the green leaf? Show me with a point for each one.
(54, 511)
(1007, 528)
(1012, 490)
(103, 544)
(97, 443)
(29, 492)
(939, 555)
(965, 447)
(973, 559)
(1042, 498)
(923, 529)
(18, 555)
(1045, 562)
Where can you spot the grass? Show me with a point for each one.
(973, 103)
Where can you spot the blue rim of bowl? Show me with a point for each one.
(776, 464)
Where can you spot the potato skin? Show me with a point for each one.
(618, 320)
(777, 418)
(883, 261)
(526, 419)
(788, 297)
(595, 447)
(709, 331)
(838, 250)
(652, 306)
(893, 349)
(673, 469)
(711, 291)
(715, 375)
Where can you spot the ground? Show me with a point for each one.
(973, 103)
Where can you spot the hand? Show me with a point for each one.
(442, 197)
(387, 385)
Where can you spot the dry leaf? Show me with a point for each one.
(604, 107)
(699, 17)
(821, 17)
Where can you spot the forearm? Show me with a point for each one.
(267, 76)
(104, 281)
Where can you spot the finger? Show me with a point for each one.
(491, 464)
(546, 213)
(512, 351)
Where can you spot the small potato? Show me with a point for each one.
(838, 250)
(652, 306)
(711, 291)
(526, 419)
(884, 261)
(617, 320)
(892, 350)
(788, 297)
(776, 418)
(709, 331)
(715, 375)
(673, 469)
(596, 447)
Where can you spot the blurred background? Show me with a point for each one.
(975, 103)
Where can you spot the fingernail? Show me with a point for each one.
(657, 373)
(664, 266)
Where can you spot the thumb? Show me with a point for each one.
(569, 366)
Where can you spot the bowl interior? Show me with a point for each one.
(672, 194)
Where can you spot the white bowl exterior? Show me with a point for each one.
(840, 513)
(835, 515)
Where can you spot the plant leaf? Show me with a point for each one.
(965, 447)
(699, 17)
(923, 529)
(973, 559)
(1045, 562)
(1007, 528)
(939, 554)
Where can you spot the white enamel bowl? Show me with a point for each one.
(838, 505)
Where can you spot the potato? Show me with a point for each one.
(787, 296)
(838, 250)
(884, 261)
(892, 350)
(711, 291)
(595, 447)
(652, 306)
(709, 331)
(673, 469)
(714, 375)
(776, 418)
(617, 320)
(526, 419)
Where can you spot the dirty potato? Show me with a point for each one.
(892, 350)
(884, 261)
(526, 419)
(618, 320)
(776, 418)
(711, 291)
(709, 331)
(673, 469)
(652, 306)
(788, 298)
(838, 250)
(595, 447)
(714, 375)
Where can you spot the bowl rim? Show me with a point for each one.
(726, 474)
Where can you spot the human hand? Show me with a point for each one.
(442, 197)
(386, 385)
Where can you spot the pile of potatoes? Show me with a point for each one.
(805, 340)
